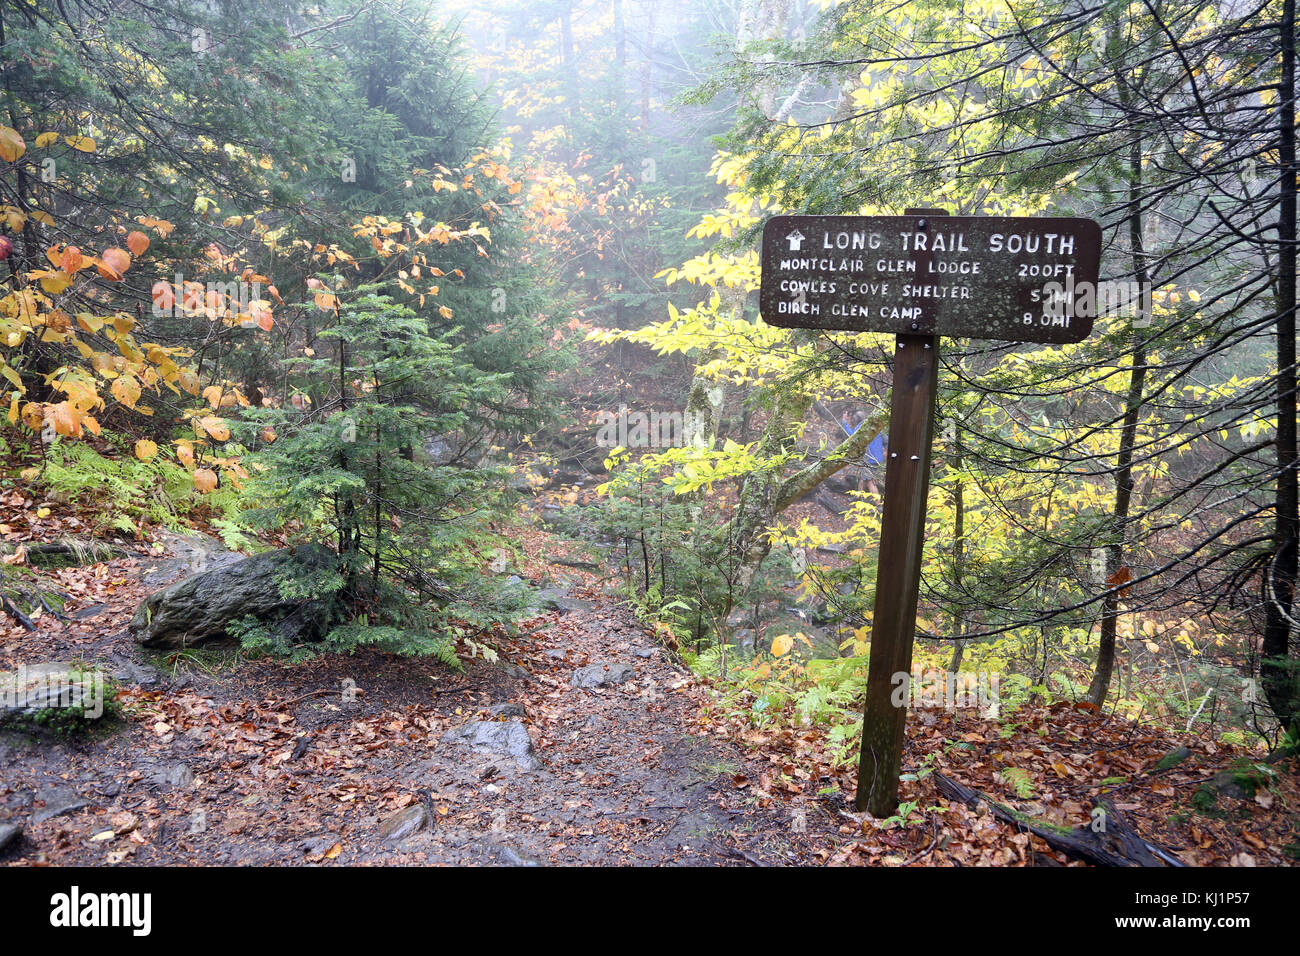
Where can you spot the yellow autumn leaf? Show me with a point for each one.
(781, 645)
(45, 139)
(33, 417)
(145, 449)
(126, 390)
(12, 146)
(84, 144)
(53, 282)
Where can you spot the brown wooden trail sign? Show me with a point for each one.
(921, 275)
(982, 277)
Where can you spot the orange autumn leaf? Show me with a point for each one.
(260, 312)
(66, 419)
(205, 480)
(160, 226)
(137, 242)
(113, 263)
(1121, 577)
(216, 427)
(71, 259)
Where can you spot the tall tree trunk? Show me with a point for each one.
(346, 512)
(1128, 432)
(1277, 671)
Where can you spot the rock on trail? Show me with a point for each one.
(505, 738)
(195, 610)
(602, 675)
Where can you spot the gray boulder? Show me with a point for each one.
(196, 610)
(10, 833)
(318, 844)
(506, 738)
(602, 675)
(557, 599)
(58, 801)
(405, 823)
(178, 776)
(498, 855)
(130, 672)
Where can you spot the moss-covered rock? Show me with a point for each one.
(197, 610)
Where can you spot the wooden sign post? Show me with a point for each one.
(921, 275)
